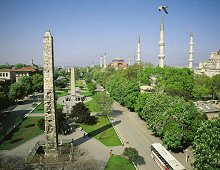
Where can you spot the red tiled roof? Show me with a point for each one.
(6, 70)
(28, 68)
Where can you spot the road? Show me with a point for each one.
(134, 133)
(9, 119)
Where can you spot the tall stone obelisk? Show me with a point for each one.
(101, 61)
(73, 88)
(49, 98)
(139, 50)
(191, 51)
(161, 44)
(105, 61)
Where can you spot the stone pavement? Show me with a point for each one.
(135, 133)
(92, 148)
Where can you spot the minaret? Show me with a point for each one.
(134, 59)
(191, 51)
(161, 44)
(105, 60)
(49, 98)
(129, 60)
(72, 86)
(139, 51)
(101, 61)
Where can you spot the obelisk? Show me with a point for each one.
(49, 98)
(191, 51)
(161, 44)
(73, 89)
(139, 50)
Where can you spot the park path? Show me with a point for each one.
(135, 133)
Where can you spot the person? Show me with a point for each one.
(84, 135)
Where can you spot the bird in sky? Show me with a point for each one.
(164, 8)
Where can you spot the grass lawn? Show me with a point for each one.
(87, 93)
(40, 108)
(91, 105)
(61, 93)
(102, 131)
(78, 83)
(119, 163)
(27, 130)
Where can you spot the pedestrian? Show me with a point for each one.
(84, 135)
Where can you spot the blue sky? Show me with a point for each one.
(85, 29)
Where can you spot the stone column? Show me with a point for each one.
(139, 50)
(161, 44)
(49, 98)
(73, 88)
(191, 51)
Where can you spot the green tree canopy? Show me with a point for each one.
(37, 81)
(103, 102)
(80, 113)
(206, 146)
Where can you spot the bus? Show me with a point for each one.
(164, 159)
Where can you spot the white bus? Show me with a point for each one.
(164, 159)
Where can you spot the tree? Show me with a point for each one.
(104, 102)
(215, 86)
(202, 87)
(206, 145)
(37, 81)
(91, 87)
(20, 65)
(176, 81)
(3, 99)
(80, 113)
(61, 82)
(62, 123)
(88, 77)
(131, 154)
(16, 91)
(26, 82)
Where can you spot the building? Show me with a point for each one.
(26, 71)
(12, 75)
(210, 67)
(7, 75)
(118, 63)
(210, 108)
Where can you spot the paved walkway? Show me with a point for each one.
(135, 133)
(89, 146)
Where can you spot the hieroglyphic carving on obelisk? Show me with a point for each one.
(73, 88)
(49, 98)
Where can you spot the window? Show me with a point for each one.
(0, 74)
(6, 74)
(3, 75)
